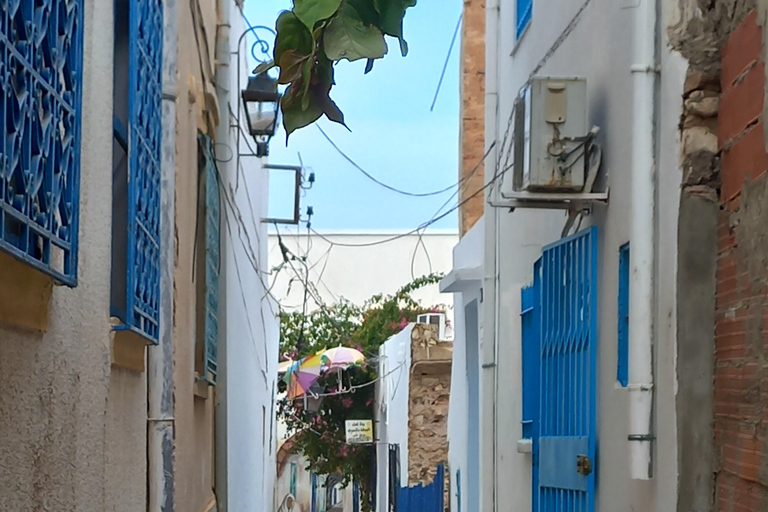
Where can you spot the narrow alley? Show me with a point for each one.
(383, 256)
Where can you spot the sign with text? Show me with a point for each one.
(359, 431)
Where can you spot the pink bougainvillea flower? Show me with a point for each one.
(403, 323)
(347, 402)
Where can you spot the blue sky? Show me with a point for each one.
(394, 136)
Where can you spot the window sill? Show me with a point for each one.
(128, 350)
(519, 39)
(202, 387)
(25, 294)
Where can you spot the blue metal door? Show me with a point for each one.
(423, 498)
(566, 444)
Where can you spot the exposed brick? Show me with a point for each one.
(744, 46)
(741, 104)
(746, 158)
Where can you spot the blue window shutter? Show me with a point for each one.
(622, 367)
(458, 490)
(41, 63)
(212, 258)
(355, 497)
(294, 471)
(313, 504)
(144, 146)
(523, 14)
(531, 311)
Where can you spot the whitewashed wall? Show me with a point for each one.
(357, 273)
(248, 330)
(392, 410)
(597, 43)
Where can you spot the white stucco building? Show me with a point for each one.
(563, 397)
(356, 265)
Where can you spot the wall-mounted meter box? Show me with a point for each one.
(550, 136)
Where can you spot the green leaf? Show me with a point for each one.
(367, 11)
(291, 65)
(391, 14)
(346, 37)
(264, 67)
(292, 34)
(312, 11)
(333, 112)
(294, 116)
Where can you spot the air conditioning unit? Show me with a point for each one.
(436, 319)
(551, 136)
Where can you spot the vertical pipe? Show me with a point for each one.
(642, 246)
(488, 338)
(223, 74)
(160, 408)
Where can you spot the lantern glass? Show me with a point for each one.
(262, 117)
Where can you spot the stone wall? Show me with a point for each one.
(429, 391)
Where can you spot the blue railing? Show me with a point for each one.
(212, 257)
(40, 76)
(144, 139)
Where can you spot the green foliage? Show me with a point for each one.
(320, 436)
(314, 36)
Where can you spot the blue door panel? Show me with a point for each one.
(423, 498)
(557, 463)
(567, 375)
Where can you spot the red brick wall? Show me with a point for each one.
(741, 343)
(472, 144)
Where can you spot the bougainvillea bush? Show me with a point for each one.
(320, 435)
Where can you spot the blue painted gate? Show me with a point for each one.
(565, 442)
(423, 498)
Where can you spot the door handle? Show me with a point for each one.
(583, 465)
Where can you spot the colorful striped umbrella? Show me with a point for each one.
(302, 374)
(341, 357)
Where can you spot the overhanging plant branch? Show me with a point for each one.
(314, 36)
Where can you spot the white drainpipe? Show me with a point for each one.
(160, 406)
(642, 242)
(489, 330)
(223, 75)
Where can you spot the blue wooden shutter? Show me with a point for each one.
(212, 258)
(41, 64)
(144, 146)
(622, 366)
(523, 14)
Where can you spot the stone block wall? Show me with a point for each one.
(428, 397)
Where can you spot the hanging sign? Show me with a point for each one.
(359, 431)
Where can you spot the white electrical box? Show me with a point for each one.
(550, 136)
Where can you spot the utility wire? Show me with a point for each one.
(425, 225)
(447, 59)
(379, 182)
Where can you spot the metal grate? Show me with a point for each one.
(144, 135)
(40, 76)
(212, 257)
(523, 13)
(567, 407)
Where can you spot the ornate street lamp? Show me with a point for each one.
(262, 104)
